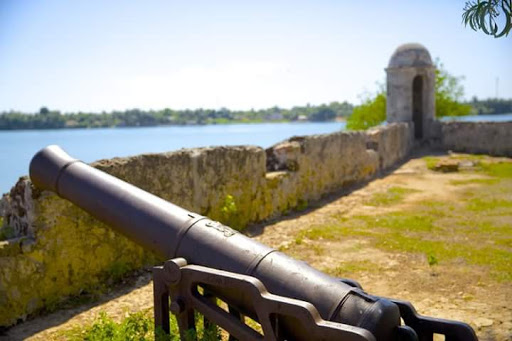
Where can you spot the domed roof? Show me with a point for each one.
(410, 55)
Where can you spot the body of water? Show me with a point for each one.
(477, 118)
(18, 147)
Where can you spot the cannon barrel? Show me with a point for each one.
(172, 231)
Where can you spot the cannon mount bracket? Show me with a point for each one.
(183, 289)
(185, 285)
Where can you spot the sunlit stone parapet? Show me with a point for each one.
(492, 138)
(50, 249)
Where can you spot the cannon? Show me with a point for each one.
(226, 276)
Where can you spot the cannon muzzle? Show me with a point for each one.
(146, 219)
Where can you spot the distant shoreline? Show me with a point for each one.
(53, 119)
(343, 120)
(338, 119)
(494, 117)
(333, 112)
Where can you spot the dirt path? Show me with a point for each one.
(452, 290)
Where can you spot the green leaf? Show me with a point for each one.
(506, 7)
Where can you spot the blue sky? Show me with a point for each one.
(106, 55)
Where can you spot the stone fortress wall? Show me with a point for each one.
(492, 138)
(51, 249)
(57, 250)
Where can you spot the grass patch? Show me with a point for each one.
(501, 170)
(488, 227)
(479, 205)
(474, 229)
(118, 270)
(436, 209)
(507, 242)
(401, 222)
(490, 181)
(369, 226)
(471, 228)
(393, 195)
(136, 326)
(301, 205)
(497, 259)
(431, 161)
(317, 249)
(330, 232)
(350, 268)
(432, 260)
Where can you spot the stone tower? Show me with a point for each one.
(411, 89)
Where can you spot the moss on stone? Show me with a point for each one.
(72, 252)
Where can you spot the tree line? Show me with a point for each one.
(52, 119)
(491, 106)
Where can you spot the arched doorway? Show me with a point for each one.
(417, 106)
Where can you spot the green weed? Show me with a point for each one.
(432, 260)
(490, 181)
(118, 270)
(507, 242)
(342, 269)
(229, 207)
(136, 326)
(328, 232)
(479, 205)
(393, 195)
(431, 161)
(501, 170)
(317, 249)
(401, 222)
(499, 260)
(301, 205)
(230, 214)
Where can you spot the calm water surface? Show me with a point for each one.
(494, 118)
(18, 147)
